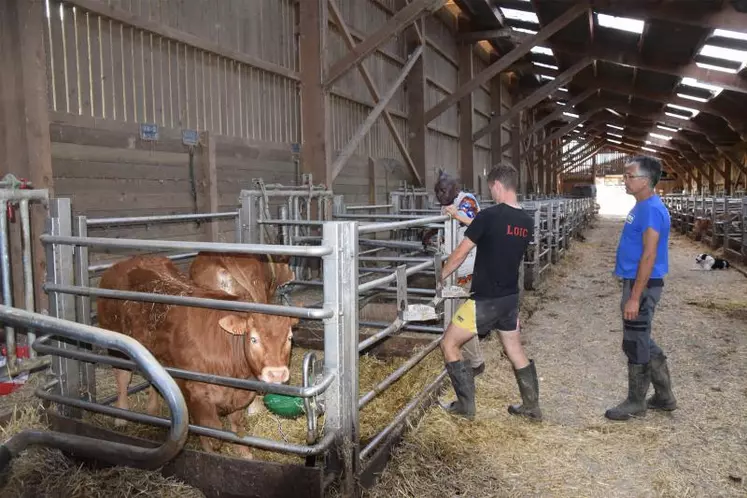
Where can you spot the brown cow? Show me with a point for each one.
(251, 277)
(227, 343)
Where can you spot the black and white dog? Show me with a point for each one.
(707, 262)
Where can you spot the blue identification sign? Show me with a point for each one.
(190, 137)
(148, 131)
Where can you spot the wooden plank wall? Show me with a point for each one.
(228, 67)
(441, 68)
(480, 119)
(351, 102)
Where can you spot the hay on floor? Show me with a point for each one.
(373, 418)
(41, 472)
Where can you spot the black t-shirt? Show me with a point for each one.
(502, 234)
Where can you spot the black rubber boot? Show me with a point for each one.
(478, 369)
(639, 379)
(663, 398)
(463, 381)
(528, 383)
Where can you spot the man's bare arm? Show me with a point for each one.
(457, 258)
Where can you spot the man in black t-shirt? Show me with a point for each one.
(501, 233)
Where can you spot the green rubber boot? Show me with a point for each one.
(639, 380)
(463, 381)
(528, 383)
(663, 398)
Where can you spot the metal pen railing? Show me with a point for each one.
(108, 451)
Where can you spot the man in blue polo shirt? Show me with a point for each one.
(642, 262)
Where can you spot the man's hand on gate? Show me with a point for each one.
(450, 210)
(630, 312)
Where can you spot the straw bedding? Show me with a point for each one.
(574, 336)
(47, 473)
(374, 417)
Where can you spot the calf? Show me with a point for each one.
(226, 343)
(251, 277)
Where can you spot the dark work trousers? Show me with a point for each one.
(637, 343)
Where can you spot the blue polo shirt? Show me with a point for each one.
(651, 213)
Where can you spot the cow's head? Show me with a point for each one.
(446, 189)
(267, 342)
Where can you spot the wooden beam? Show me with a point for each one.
(209, 185)
(416, 84)
(504, 62)
(539, 125)
(371, 181)
(314, 109)
(336, 17)
(565, 129)
(730, 118)
(590, 152)
(496, 137)
(516, 148)
(684, 124)
(733, 82)
(490, 34)
(410, 13)
(466, 115)
(25, 148)
(350, 147)
(534, 98)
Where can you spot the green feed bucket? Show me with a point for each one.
(285, 406)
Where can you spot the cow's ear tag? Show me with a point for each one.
(233, 325)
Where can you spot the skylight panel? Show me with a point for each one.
(673, 115)
(542, 50)
(615, 126)
(729, 54)
(621, 23)
(560, 103)
(562, 89)
(691, 97)
(703, 65)
(660, 136)
(520, 15)
(668, 128)
(614, 141)
(610, 110)
(697, 84)
(693, 112)
(570, 114)
(649, 149)
(730, 34)
(614, 135)
(525, 30)
(542, 64)
(544, 76)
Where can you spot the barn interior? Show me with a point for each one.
(315, 130)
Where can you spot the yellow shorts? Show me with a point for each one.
(480, 317)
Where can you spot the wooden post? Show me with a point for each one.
(209, 183)
(371, 181)
(711, 179)
(466, 111)
(25, 148)
(315, 153)
(516, 149)
(416, 89)
(727, 177)
(496, 136)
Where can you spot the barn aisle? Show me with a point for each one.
(573, 331)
